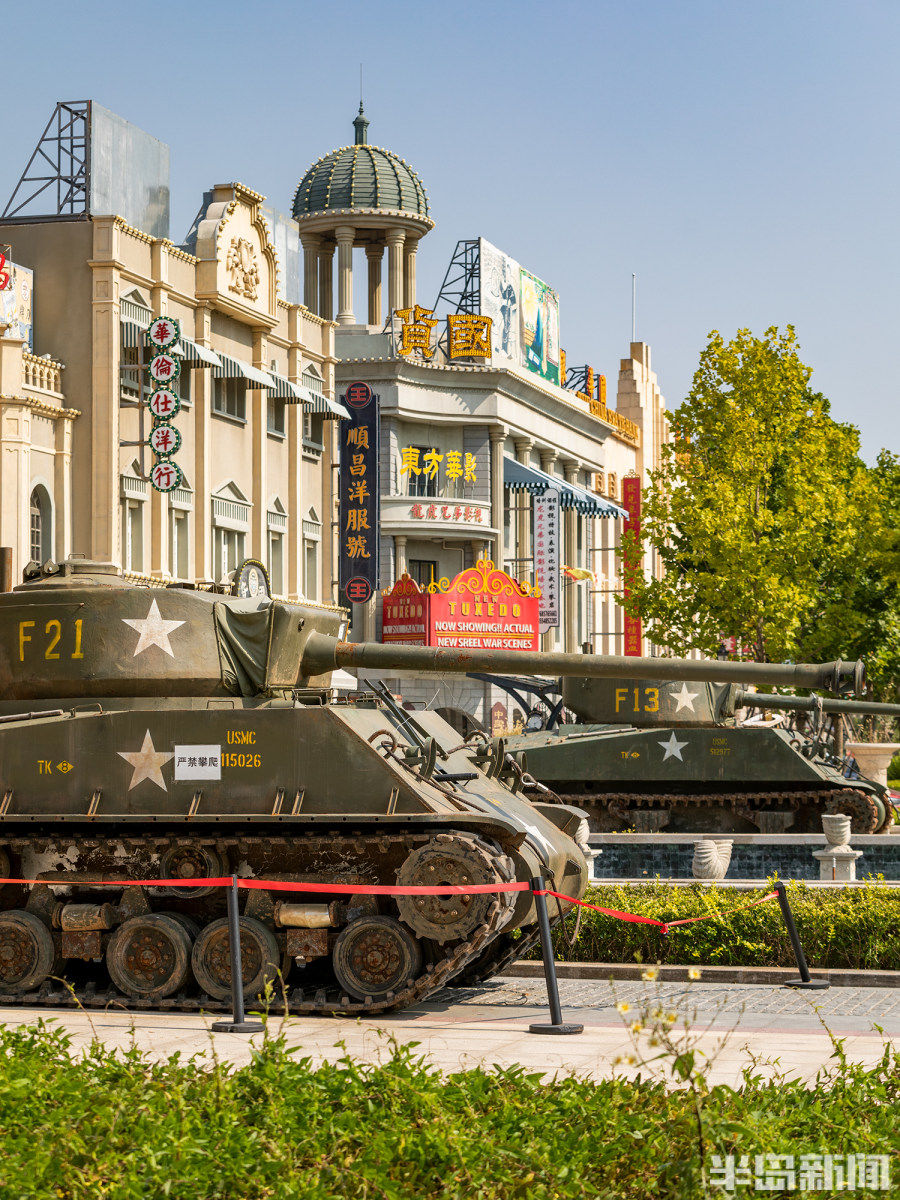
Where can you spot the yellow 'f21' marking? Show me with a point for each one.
(47, 644)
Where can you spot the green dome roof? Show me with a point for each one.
(360, 176)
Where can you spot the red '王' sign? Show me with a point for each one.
(631, 502)
(481, 609)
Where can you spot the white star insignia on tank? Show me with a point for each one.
(154, 631)
(147, 763)
(685, 698)
(673, 748)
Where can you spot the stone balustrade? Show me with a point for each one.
(42, 374)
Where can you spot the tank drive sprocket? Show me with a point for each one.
(453, 860)
(860, 807)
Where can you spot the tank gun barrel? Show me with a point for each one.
(857, 708)
(323, 653)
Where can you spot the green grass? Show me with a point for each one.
(118, 1127)
(844, 928)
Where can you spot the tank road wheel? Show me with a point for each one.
(27, 953)
(865, 815)
(211, 958)
(450, 860)
(190, 861)
(149, 956)
(374, 956)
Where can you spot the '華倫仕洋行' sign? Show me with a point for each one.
(481, 609)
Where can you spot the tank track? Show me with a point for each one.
(328, 1001)
(864, 813)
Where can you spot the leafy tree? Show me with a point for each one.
(762, 514)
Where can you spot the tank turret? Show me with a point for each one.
(80, 629)
(664, 752)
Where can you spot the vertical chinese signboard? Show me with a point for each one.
(631, 502)
(164, 403)
(359, 495)
(546, 556)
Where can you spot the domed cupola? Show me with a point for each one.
(360, 195)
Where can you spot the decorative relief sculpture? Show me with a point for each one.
(242, 267)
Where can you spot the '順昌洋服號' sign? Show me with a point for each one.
(359, 495)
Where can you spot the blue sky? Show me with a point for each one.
(740, 158)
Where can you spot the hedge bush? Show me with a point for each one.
(116, 1127)
(847, 927)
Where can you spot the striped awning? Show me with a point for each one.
(236, 368)
(329, 409)
(134, 335)
(291, 393)
(201, 355)
(525, 478)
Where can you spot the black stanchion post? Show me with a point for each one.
(804, 981)
(557, 1024)
(238, 1023)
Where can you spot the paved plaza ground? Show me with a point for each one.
(461, 1028)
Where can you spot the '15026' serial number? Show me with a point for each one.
(241, 760)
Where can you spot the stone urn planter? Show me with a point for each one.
(711, 858)
(873, 758)
(837, 829)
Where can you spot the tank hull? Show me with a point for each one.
(270, 789)
(705, 779)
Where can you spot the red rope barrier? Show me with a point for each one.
(372, 889)
(665, 926)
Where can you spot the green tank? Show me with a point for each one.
(174, 733)
(666, 753)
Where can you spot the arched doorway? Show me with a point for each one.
(41, 525)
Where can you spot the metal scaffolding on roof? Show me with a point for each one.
(461, 290)
(60, 166)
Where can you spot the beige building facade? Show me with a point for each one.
(269, 342)
(255, 388)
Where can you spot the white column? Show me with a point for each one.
(395, 239)
(326, 287)
(203, 481)
(399, 555)
(498, 437)
(523, 516)
(344, 235)
(311, 246)
(374, 254)
(409, 272)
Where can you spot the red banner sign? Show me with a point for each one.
(481, 609)
(631, 502)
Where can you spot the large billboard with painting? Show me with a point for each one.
(524, 312)
(16, 296)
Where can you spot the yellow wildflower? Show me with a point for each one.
(635, 1026)
(650, 974)
(671, 1018)
(694, 972)
(623, 1007)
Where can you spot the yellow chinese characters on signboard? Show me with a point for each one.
(415, 332)
(456, 464)
(468, 335)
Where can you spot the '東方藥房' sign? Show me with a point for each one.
(481, 609)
